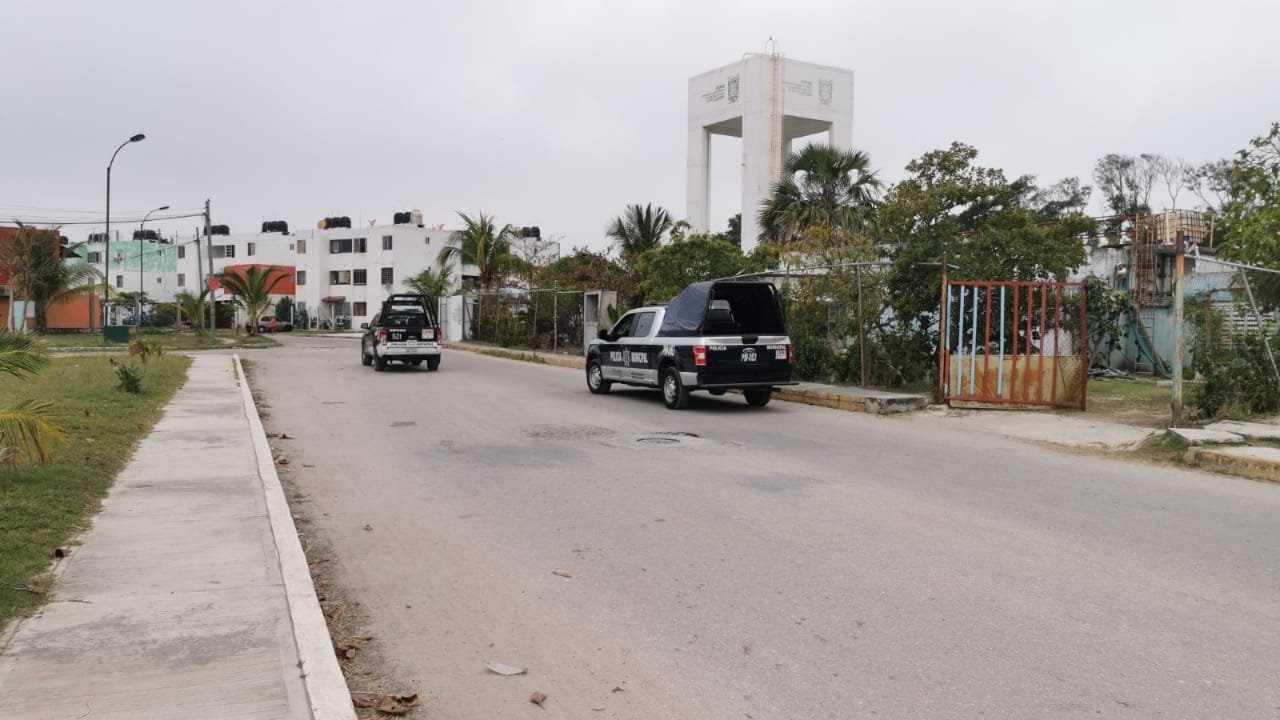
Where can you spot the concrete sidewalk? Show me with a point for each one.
(190, 596)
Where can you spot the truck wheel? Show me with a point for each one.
(595, 378)
(674, 393)
(758, 397)
(365, 360)
(379, 362)
(717, 391)
(416, 362)
(433, 364)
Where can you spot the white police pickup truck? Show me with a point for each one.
(714, 336)
(405, 331)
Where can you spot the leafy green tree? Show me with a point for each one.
(820, 185)
(252, 289)
(284, 309)
(638, 230)
(986, 227)
(482, 243)
(733, 235)
(666, 270)
(1126, 182)
(1065, 197)
(25, 430)
(435, 283)
(38, 273)
(1251, 216)
(194, 307)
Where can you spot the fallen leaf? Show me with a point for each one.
(318, 560)
(363, 703)
(285, 436)
(537, 698)
(273, 434)
(368, 528)
(507, 670)
(282, 461)
(561, 573)
(617, 689)
(62, 552)
(396, 704)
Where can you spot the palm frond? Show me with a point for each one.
(21, 355)
(25, 433)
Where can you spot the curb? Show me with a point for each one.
(835, 401)
(1258, 463)
(326, 687)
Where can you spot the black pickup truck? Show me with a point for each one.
(714, 336)
(404, 331)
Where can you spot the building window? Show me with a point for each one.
(339, 277)
(224, 251)
(95, 258)
(339, 246)
(182, 279)
(360, 277)
(388, 276)
(251, 250)
(230, 251)
(300, 277)
(302, 247)
(386, 242)
(182, 252)
(361, 245)
(361, 309)
(119, 281)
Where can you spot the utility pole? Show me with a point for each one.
(1176, 379)
(213, 304)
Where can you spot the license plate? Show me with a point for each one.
(412, 341)
(779, 354)
(428, 334)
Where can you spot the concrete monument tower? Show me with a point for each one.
(768, 101)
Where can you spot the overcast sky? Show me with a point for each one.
(558, 114)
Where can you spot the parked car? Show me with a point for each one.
(714, 336)
(404, 331)
(269, 323)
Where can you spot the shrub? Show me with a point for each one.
(129, 378)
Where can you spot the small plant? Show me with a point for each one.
(128, 378)
(145, 348)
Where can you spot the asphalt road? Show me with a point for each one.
(789, 562)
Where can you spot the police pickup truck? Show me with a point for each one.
(404, 331)
(713, 336)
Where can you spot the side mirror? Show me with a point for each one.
(603, 334)
(364, 326)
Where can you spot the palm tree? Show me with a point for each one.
(434, 283)
(483, 244)
(194, 307)
(24, 429)
(639, 229)
(38, 273)
(252, 289)
(820, 185)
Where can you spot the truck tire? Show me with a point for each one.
(595, 378)
(433, 364)
(674, 393)
(365, 359)
(379, 362)
(757, 397)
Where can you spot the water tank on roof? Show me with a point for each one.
(415, 217)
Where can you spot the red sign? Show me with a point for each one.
(213, 284)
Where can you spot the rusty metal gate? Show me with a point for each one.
(1014, 344)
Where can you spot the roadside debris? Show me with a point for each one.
(561, 573)
(537, 698)
(61, 552)
(317, 561)
(507, 670)
(368, 528)
(390, 704)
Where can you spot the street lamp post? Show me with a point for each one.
(137, 315)
(106, 256)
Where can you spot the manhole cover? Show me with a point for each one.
(636, 441)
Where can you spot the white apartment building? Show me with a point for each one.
(342, 275)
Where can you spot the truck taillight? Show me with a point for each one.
(791, 356)
(700, 355)
(382, 335)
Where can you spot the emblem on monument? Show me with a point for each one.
(733, 88)
(824, 91)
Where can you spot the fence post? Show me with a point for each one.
(942, 335)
